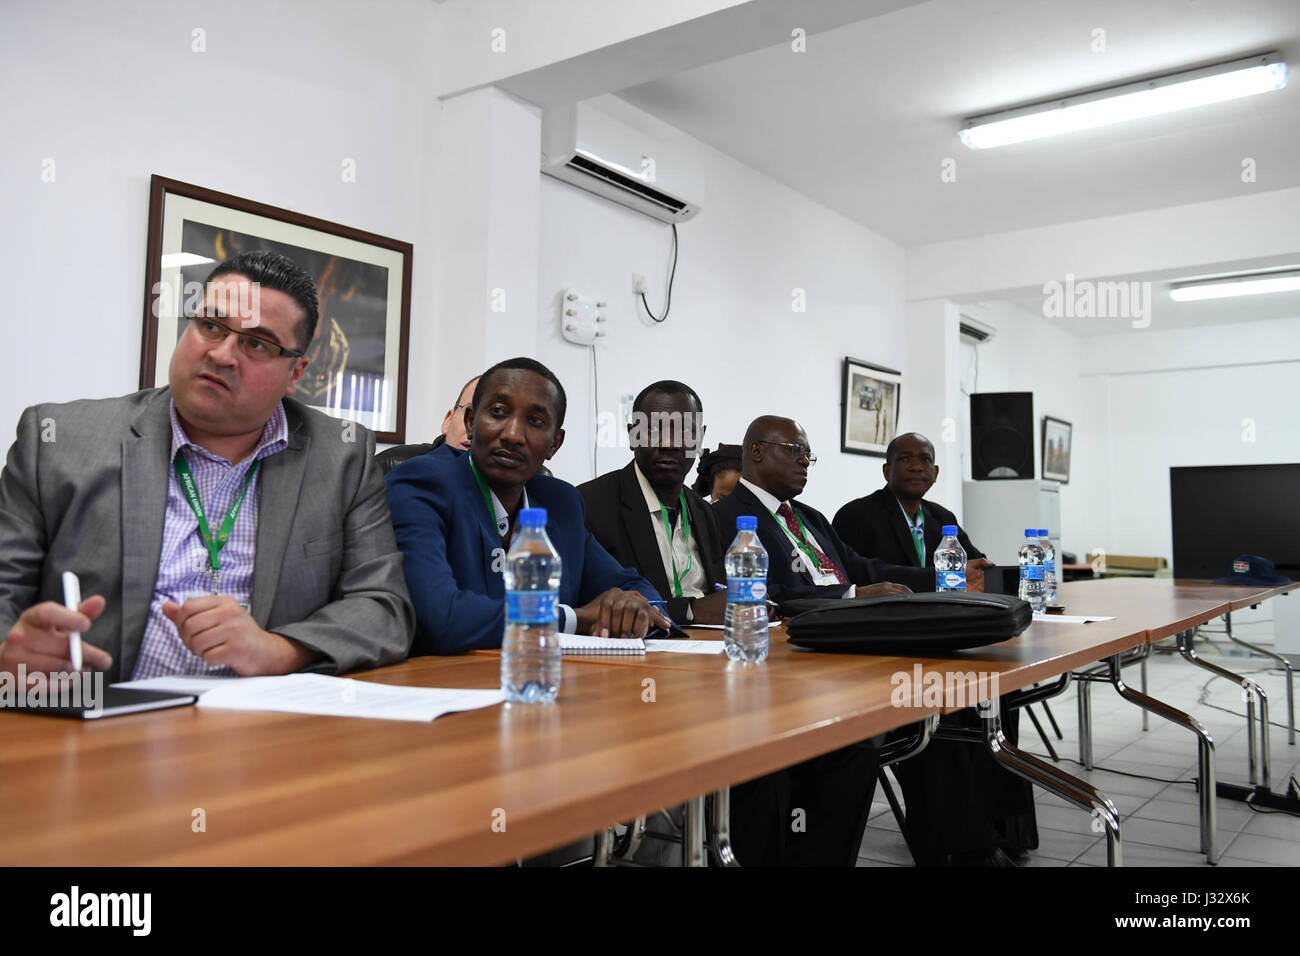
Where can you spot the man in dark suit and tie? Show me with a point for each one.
(961, 806)
(648, 519)
(897, 523)
(806, 558)
(454, 515)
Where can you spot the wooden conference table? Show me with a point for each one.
(489, 786)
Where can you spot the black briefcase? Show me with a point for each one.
(911, 624)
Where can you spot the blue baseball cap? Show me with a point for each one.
(1252, 569)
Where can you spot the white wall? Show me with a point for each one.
(268, 113)
(1183, 397)
(732, 334)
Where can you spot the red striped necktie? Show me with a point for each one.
(824, 563)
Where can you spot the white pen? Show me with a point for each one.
(72, 601)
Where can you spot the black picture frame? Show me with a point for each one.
(1056, 459)
(869, 422)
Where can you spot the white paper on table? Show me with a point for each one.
(1069, 618)
(683, 647)
(326, 696)
(177, 684)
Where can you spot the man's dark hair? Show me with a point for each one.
(667, 387)
(274, 271)
(890, 448)
(527, 365)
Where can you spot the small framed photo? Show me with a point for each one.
(1056, 449)
(868, 407)
(363, 281)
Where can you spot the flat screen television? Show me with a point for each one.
(1221, 511)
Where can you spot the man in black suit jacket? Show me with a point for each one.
(645, 516)
(960, 804)
(806, 558)
(888, 523)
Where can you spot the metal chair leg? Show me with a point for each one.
(1287, 666)
(1051, 717)
(1205, 751)
(1188, 650)
(1039, 727)
(693, 833)
(1085, 721)
(1070, 788)
(899, 817)
(1143, 677)
(720, 844)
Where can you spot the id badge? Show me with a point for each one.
(825, 579)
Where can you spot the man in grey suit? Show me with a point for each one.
(219, 526)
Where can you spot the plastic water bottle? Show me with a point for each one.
(530, 649)
(1031, 572)
(1049, 565)
(744, 632)
(950, 562)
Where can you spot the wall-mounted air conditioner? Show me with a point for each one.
(594, 151)
(975, 331)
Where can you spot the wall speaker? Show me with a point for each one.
(1002, 435)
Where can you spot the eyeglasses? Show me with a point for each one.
(794, 450)
(255, 347)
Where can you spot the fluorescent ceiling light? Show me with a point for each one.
(175, 260)
(1165, 94)
(1227, 287)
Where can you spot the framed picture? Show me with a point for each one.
(358, 356)
(1056, 449)
(868, 407)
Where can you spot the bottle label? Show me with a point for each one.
(1050, 566)
(531, 607)
(1031, 572)
(746, 590)
(950, 580)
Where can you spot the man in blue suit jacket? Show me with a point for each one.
(454, 514)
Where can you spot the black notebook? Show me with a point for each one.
(113, 702)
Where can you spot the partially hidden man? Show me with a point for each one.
(220, 526)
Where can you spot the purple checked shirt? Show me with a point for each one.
(183, 566)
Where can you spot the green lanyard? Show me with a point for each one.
(918, 535)
(214, 544)
(803, 537)
(686, 536)
(485, 492)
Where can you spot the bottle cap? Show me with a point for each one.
(532, 517)
(746, 523)
(1042, 532)
(1031, 532)
(949, 529)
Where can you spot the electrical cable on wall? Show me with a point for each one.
(595, 407)
(668, 301)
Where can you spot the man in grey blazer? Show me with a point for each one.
(219, 526)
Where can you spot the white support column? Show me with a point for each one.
(485, 232)
(931, 398)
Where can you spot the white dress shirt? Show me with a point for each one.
(771, 503)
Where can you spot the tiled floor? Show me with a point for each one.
(1159, 820)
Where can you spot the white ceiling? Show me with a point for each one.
(1165, 313)
(863, 120)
